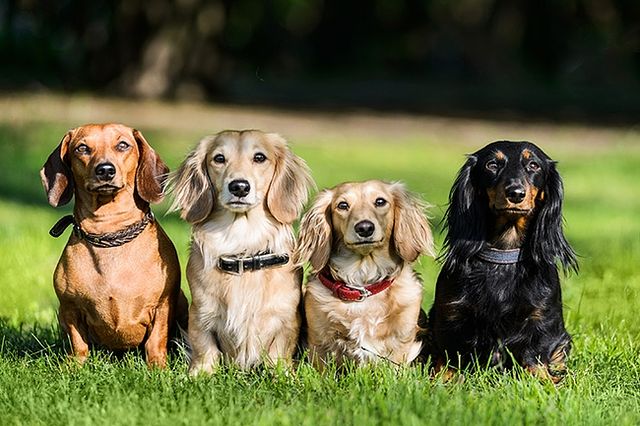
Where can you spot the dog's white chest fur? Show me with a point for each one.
(382, 327)
(243, 314)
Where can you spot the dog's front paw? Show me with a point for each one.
(199, 367)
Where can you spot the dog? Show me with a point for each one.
(498, 298)
(362, 303)
(241, 191)
(118, 279)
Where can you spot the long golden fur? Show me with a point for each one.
(116, 297)
(253, 317)
(385, 325)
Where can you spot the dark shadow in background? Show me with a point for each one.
(31, 340)
(576, 60)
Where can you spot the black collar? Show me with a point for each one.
(106, 240)
(237, 265)
(501, 257)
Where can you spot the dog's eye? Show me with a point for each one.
(492, 165)
(380, 202)
(82, 149)
(533, 166)
(259, 157)
(122, 146)
(219, 158)
(342, 205)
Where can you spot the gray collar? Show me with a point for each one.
(502, 257)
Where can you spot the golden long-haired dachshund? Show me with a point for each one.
(118, 279)
(362, 302)
(241, 191)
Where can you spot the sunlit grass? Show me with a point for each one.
(602, 210)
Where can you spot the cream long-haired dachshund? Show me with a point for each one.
(363, 300)
(241, 191)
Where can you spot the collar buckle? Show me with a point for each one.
(364, 293)
(231, 265)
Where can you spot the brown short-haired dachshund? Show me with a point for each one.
(498, 295)
(118, 279)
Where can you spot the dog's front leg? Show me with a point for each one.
(155, 348)
(282, 347)
(205, 353)
(76, 331)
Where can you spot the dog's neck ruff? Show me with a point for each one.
(106, 240)
(500, 257)
(238, 265)
(352, 294)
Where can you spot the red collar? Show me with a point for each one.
(352, 294)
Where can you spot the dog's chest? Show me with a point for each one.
(498, 298)
(361, 330)
(120, 285)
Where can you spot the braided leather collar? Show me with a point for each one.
(352, 294)
(500, 257)
(106, 240)
(237, 265)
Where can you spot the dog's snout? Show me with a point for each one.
(515, 193)
(105, 171)
(365, 228)
(239, 187)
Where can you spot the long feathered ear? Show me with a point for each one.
(193, 193)
(315, 235)
(548, 243)
(152, 172)
(411, 231)
(465, 219)
(56, 175)
(291, 183)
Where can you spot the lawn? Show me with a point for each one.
(601, 171)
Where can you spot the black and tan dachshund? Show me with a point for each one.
(498, 297)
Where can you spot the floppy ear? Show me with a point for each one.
(56, 175)
(548, 242)
(192, 189)
(465, 218)
(411, 231)
(151, 175)
(290, 185)
(315, 235)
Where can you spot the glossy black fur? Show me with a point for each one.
(489, 312)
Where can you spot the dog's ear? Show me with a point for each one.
(193, 193)
(56, 175)
(411, 231)
(465, 218)
(291, 183)
(315, 235)
(152, 173)
(548, 242)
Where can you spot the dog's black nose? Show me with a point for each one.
(365, 228)
(239, 187)
(105, 171)
(515, 193)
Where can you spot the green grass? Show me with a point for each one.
(38, 385)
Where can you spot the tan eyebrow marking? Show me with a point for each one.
(500, 155)
(526, 154)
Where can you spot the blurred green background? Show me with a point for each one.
(571, 59)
